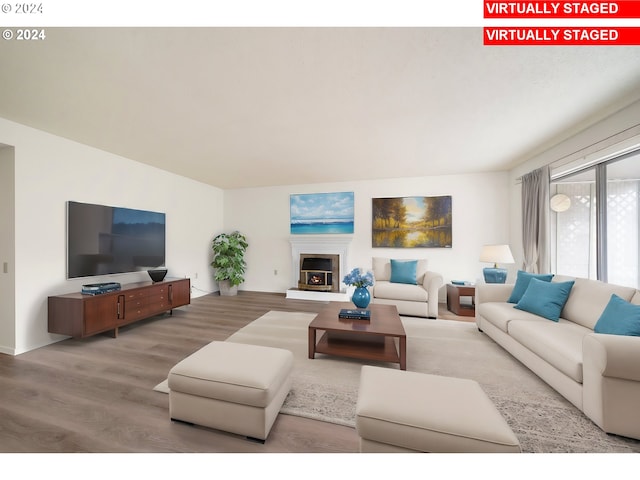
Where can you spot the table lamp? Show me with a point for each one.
(496, 254)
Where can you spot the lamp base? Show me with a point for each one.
(495, 275)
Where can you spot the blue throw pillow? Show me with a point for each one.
(522, 282)
(619, 318)
(545, 298)
(404, 271)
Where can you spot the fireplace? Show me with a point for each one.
(334, 247)
(317, 272)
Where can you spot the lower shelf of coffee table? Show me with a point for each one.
(359, 345)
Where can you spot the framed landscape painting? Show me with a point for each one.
(412, 222)
(314, 213)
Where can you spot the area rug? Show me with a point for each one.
(326, 388)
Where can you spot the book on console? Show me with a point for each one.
(98, 288)
(355, 314)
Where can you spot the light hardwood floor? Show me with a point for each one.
(95, 395)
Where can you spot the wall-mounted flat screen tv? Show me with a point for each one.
(103, 240)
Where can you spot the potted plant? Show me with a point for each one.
(228, 261)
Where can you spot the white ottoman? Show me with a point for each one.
(233, 387)
(400, 411)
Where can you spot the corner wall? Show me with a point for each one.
(7, 249)
(49, 171)
(480, 216)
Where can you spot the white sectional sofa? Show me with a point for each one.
(414, 295)
(598, 372)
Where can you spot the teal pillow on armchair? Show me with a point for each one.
(404, 271)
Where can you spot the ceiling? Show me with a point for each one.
(246, 107)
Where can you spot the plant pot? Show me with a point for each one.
(226, 289)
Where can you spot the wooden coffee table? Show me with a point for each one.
(373, 339)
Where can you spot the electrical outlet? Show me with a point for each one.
(275, 272)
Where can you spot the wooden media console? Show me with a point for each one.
(79, 315)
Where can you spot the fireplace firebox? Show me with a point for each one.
(317, 272)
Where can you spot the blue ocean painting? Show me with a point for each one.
(316, 213)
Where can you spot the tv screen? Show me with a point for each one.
(102, 240)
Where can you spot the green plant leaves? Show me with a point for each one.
(228, 261)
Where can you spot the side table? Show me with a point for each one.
(454, 292)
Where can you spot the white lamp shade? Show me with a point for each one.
(496, 254)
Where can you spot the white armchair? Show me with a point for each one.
(419, 299)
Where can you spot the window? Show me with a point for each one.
(597, 236)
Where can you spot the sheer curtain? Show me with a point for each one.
(535, 221)
(623, 222)
(576, 253)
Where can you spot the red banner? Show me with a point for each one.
(562, 9)
(587, 36)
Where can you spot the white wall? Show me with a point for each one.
(49, 171)
(480, 216)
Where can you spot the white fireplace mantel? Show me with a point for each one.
(321, 244)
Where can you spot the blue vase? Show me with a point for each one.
(361, 297)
